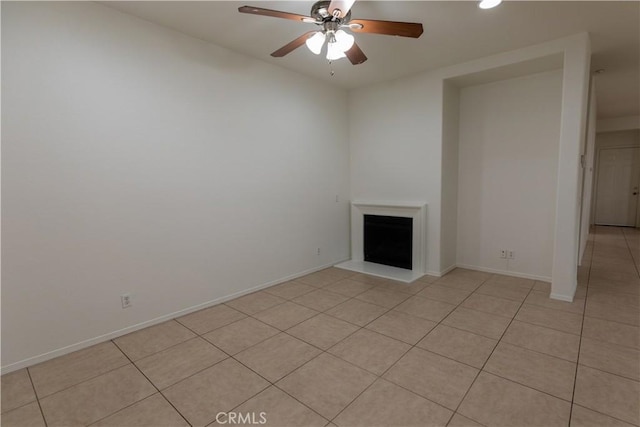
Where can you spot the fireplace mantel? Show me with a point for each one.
(402, 205)
(414, 210)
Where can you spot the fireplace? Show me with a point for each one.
(408, 259)
(387, 240)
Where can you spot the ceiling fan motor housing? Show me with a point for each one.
(320, 12)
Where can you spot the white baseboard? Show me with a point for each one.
(115, 334)
(441, 273)
(448, 269)
(505, 272)
(561, 297)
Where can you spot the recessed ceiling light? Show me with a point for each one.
(488, 4)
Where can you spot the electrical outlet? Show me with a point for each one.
(503, 253)
(318, 251)
(337, 198)
(126, 300)
(511, 255)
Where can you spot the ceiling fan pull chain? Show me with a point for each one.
(331, 72)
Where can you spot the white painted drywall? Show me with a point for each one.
(396, 137)
(573, 129)
(618, 139)
(450, 154)
(508, 167)
(588, 170)
(616, 124)
(395, 142)
(137, 159)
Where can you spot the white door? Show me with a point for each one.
(617, 187)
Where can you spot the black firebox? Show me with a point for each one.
(388, 240)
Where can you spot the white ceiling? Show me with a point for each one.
(455, 32)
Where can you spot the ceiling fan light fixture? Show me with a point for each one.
(488, 4)
(315, 42)
(334, 52)
(344, 40)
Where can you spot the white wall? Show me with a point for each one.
(588, 172)
(624, 138)
(137, 159)
(395, 141)
(508, 168)
(450, 167)
(397, 133)
(573, 129)
(618, 123)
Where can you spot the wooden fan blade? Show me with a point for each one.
(274, 13)
(356, 55)
(344, 6)
(391, 28)
(290, 47)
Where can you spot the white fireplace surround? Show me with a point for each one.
(416, 211)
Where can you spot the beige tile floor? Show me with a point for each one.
(343, 349)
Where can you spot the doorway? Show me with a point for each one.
(617, 186)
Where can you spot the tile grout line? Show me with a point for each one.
(280, 331)
(164, 349)
(152, 384)
(590, 367)
(532, 350)
(133, 404)
(611, 343)
(405, 353)
(269, 382)
(337, 357)
(548, 327)
(78, 383)
(274, 384)
(322, 351)
(489, 357)
(522, 303)
(373, 287)
(575, 375)
(37, 398)
(595, 233)
(528, 349)
(612, 321)
(635, 263)
(601, 413)
(438, 324)
(229, 356)
(613, 374)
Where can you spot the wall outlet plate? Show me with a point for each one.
(126, 300)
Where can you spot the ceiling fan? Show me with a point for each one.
(334, 17)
